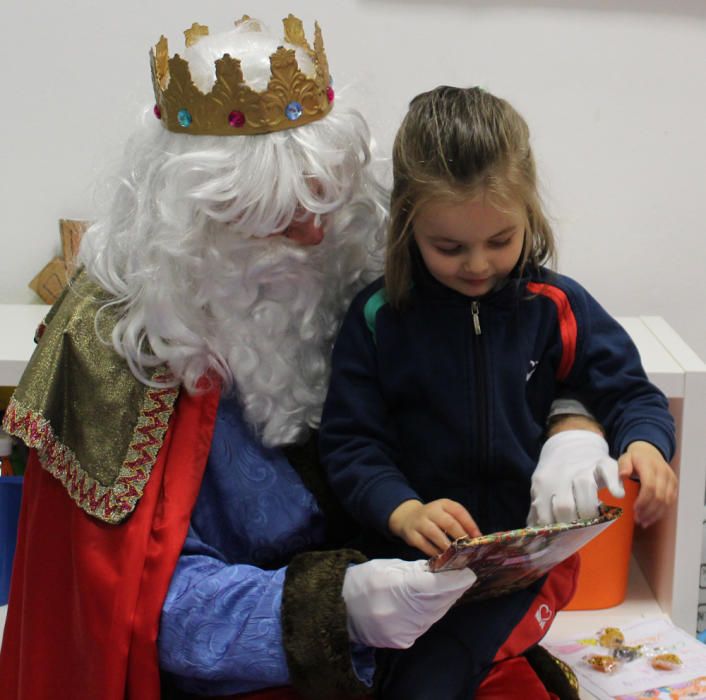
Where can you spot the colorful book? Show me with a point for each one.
(512, 560)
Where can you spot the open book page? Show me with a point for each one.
(508, 561)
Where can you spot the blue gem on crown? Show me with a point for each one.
(293, 110)
(184, 118)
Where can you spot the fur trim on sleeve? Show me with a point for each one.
(314, 626)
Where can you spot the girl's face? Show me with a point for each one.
(469, 246)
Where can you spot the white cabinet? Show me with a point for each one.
(664, 573)
(669, 553)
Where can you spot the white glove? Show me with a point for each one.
(572, 466)
(391, 602)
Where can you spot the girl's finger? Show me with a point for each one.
(463, 517)
(647, 490)
(417, 540)
(451, 526)
(625, 466)
(435, 536)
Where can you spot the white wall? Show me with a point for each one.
(615, 94)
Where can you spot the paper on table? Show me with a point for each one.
(695, 689)
(637, 675)
(512, 560)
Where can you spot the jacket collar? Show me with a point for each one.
(428, 287)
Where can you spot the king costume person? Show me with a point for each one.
(176, 536)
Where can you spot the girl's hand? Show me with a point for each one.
(658, 483)
(430, 527)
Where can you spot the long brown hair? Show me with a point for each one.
(455, 144)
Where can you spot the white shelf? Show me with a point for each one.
(662, 367)
(669, 552)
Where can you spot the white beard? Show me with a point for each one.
(276, 326)
(180, 250)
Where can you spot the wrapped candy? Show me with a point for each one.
(626, 653)
(611, 638)
(666, 662)
(602, 663)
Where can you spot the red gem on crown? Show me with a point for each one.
(236, 119)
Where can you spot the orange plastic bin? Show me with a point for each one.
(605, 560)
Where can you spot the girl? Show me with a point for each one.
(444, 372)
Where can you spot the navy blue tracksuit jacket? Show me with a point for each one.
(448, 398)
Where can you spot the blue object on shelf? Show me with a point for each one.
(10, 497)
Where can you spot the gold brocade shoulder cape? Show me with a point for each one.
(94, 426)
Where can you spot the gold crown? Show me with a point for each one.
(291, 99)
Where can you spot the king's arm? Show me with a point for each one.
(231, 628)
(228, 626)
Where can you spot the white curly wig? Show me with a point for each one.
(185, 248)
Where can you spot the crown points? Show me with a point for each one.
(161, 62)
(254, 25)
(294, 32)
(319, 50)
(194, 33)
(292, 97)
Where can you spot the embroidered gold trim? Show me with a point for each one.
(568, 672)
(112, 503)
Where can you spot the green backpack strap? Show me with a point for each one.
(372, 306)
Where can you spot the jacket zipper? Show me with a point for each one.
(482, 407)
(475, 310)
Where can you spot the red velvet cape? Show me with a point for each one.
(86, 596)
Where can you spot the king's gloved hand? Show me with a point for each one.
(391, 602)
(572, 466)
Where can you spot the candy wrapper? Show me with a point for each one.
(611, 638)
(666, 661)
(602, 663)
(648, 658)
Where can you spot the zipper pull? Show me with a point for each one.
(475, 310)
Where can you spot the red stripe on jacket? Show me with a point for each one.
(568, 328)
(555, 595)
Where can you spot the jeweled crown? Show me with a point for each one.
(291, 99)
